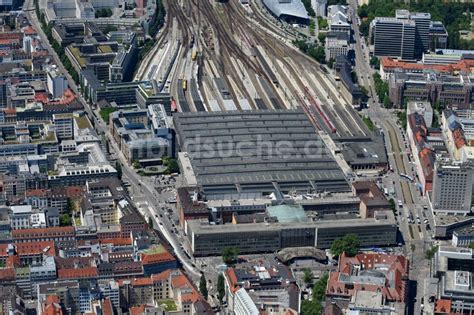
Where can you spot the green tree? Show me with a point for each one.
(150, 222)
(203, 286)
(312, 27)
(308, 7)
(70, 206)
(471, 245)
(374, 61)
(171, 164)
(307, 276)
(65, 220)
(311, 308)
(230, 255)
(322, 23)
(136, 164)
(314, 307)
(349, 244)
(118, 167)
(392, 204)
(220, 287)
(322, 38)
(387, 103)
(429, 254)
(331, 63)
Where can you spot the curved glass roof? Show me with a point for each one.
(287, 7)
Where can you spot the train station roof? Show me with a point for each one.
(293, 8)
(258, 151)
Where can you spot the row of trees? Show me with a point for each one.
(382, 90)
(105, 12)
(314, 307)
(314, 50)
(47, 28)
(455, 16)
(159, 18)
(220, 287)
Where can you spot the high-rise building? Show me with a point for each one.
(406, 36)
(57, 83)
(438, 36)
(422, 32)
(4, 94)
(393, 37)
(319, 7)
(452, 187)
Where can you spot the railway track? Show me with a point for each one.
(177, 12)
(149, 57)
(400, 166)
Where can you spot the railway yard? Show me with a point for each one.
(223, 56)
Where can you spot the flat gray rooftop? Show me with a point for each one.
(257, 151)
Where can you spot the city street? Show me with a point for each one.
(142, 190)
(418, 240)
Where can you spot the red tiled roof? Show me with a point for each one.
(459, 139)
(107, 307)
(156, 258)
(118, 241)
(443, 306)
(57, 231)
(41, 97)
(9, 111)
(461, 66)
(81, 273)
(74, 191)
(68, 97)
(140, 282)
(29, 30)
(7, 274)
(161, 276)
(36, 192)
(137, 310)
(179, 281)
(52, 305)
(397, 265)
(30, 248)
(232, 279)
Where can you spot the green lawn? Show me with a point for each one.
(168, 305)
(105, 113)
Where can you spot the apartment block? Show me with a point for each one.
(453, 188)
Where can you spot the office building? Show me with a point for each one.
(438, 36)
(264, 285)
(64, 126)
(407, 35)
(452, 188)
(338, 19)
(422, 108)
(433, 87)
(252, 238)
(4, 94)
(422, 34)
(452, 270)
(57, 83)
(393, 37)
(337, 43)
(349, 90)
(383, 277)
(463, 237)
(319, 7)
(243, 304)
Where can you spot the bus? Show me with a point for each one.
(185, 84)
(406, 177)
